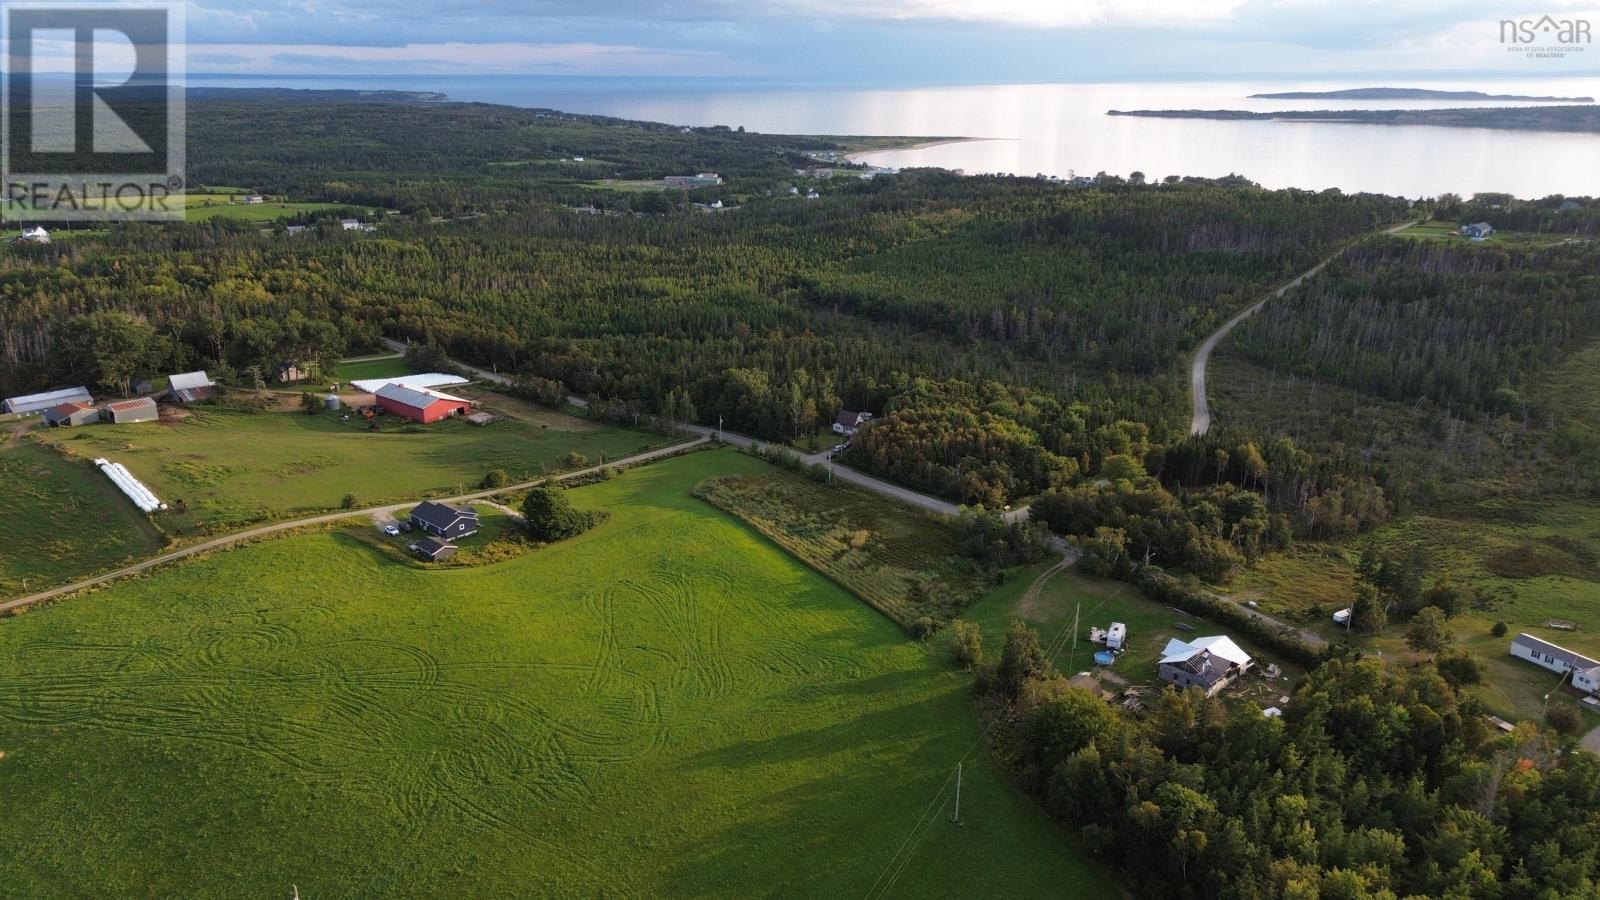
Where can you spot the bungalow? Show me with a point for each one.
(68, 414)
(142, 409)
(253, 199)
(1208, 663)
(30, 404)
(432, 549)
(1477, 230)
(350, 224)
(848, 423)
(190, 387)
(423, 405)
(1585, 671)
(443, 520)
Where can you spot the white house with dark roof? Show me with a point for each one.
(1556, 658)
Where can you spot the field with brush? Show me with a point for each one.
(667, 705)
(902, 561)
(62, 519)
(222, 469)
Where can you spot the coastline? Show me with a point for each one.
(855, 155)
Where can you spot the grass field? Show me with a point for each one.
(385, 367)
(667, 705)
(876, 549)
(62, 519)
(200, 207)
(221, 469)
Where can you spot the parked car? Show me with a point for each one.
(837, 449)
(391, 529)
(404, 525)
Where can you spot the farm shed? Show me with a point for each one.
(420, 404)
(123, 412)
(31, 404)
(190, 387)
(69, 414)
(444, 520)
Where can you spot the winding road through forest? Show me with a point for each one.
(1200, 419)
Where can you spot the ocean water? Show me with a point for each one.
(1062, 129)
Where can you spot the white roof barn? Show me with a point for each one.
(1218, 645)
(418, 382)
(32, 403)
(419, 398)
(188, 381)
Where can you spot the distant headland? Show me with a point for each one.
(1389, 93)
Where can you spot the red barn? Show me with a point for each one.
(420, 404)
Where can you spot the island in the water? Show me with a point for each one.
(1389, 93)
(1516, 118)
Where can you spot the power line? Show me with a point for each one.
(902, 856)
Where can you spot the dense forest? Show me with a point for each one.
(1054, 317)
(1462, 325)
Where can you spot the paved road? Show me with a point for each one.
(1200, 419)
(387, 510)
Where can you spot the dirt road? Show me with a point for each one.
(1200, 418)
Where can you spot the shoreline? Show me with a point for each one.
(855, 156)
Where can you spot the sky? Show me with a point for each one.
(880, 42)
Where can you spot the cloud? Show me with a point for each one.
(462, 58)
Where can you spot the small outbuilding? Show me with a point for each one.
(123, 412)
(432, 549)
(1477, 230)
(1342, 616)
(443, 520)
(1116, 636)
(286, 372)
(67, 415)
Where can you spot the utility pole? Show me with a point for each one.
(957, 817)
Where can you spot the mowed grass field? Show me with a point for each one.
(222, 469)
(62, 519)
(668, 705)
(382, 367)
